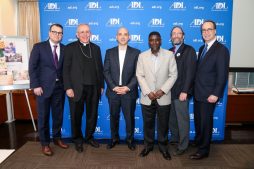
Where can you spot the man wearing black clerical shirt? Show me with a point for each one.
(83, 82)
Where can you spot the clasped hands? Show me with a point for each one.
(121, 90)
(212, 99)
(155, 95)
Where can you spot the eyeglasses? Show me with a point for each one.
(57, 33)
(207, 30)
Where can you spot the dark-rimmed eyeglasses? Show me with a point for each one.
(56, 33)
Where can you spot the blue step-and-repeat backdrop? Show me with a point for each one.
(140, 17)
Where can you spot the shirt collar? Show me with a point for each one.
(177, 47)
(53, 44)
(209, 44)
(84, 44)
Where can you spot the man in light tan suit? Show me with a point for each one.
(156, 73)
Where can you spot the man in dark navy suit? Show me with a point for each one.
(179, 121)
(45, 71)
(122, 90)
(210, 81)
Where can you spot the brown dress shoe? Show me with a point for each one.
(46, 150)
(61, 144)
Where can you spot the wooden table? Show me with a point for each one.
(240, 108)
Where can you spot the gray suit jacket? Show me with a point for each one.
(164, 78)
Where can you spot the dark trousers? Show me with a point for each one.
(56, 103)
(149, 116)
(90, 97)
(203, 118)
(128, 107)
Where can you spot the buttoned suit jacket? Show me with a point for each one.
(42, 70)
(112, 72)
(212, 72)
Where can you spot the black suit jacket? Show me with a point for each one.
(112, 72)
(212, 72)
(72, 68)
(42, 70)
(186, 59)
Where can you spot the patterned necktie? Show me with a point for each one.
(55, 56)
(203, 52)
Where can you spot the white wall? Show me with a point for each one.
(8, 17)
(242, 42)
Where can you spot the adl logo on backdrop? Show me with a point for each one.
(51, 7)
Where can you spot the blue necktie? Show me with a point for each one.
(203, 53)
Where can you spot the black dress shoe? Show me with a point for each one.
(112, 144)
(198, 156)
(166, 155)
(79, 148)
(145, 152)
(93, 143)
(131, 146)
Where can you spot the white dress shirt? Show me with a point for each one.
(57, 49)
(209, 44)
(121, 62)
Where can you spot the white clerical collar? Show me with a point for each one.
(84, 44)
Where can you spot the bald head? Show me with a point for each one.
(122, 29)
(122, 36)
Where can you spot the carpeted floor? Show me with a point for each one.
(29, 156)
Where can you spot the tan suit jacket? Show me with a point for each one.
(151, 81)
